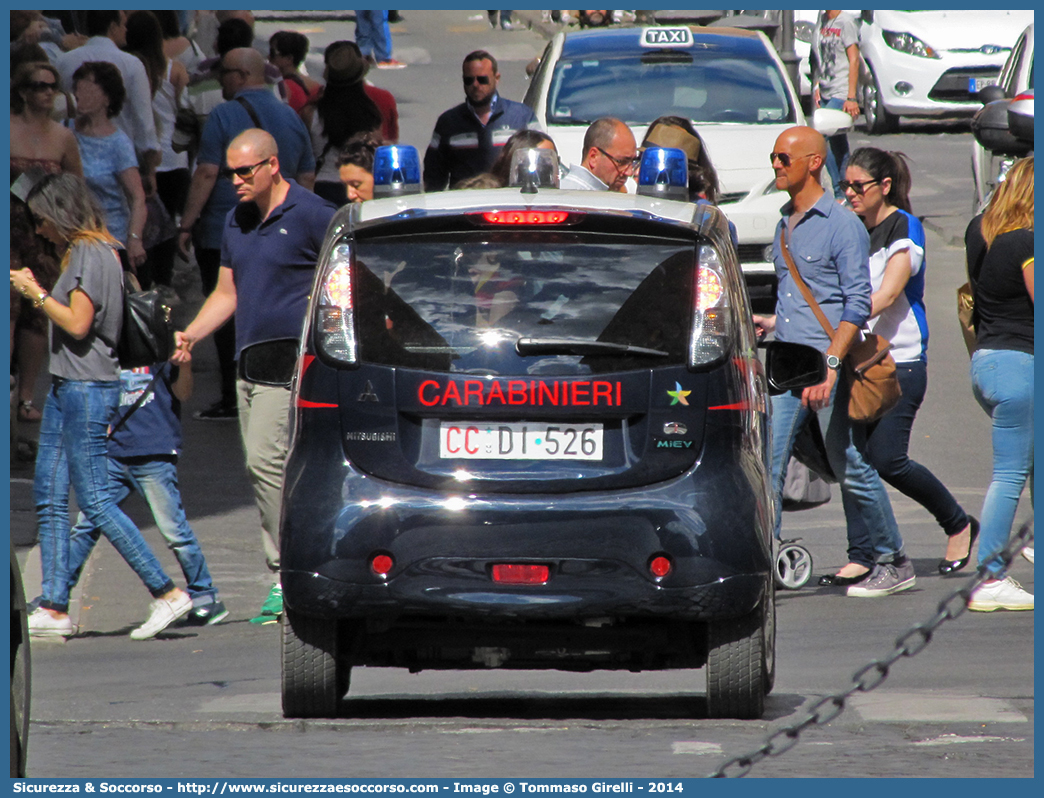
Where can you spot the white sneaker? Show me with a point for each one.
(162, 613)
(1007, 594)
(1028, 553)
(44, 625)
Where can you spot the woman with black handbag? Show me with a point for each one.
(877, 187)
(85, 311)
(1000, 268)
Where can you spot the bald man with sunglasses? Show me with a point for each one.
(269, 252)
(830, 249)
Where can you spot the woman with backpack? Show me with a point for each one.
(85, 309)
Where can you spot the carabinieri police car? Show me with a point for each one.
(528, 431)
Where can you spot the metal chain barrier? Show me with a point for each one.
(871, 676)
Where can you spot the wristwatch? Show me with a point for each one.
(833, 362)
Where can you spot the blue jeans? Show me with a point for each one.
(373, 35)
(888, 446)
(873, 535)
(73, 451)
(157, 481)
(837, 151)
(1002, 380)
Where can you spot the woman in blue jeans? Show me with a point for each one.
(877, 186)
(1000, 266)
(85, 309)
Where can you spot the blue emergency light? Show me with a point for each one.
(396, 171)
(664, 173)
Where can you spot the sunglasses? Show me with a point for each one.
(482, 80)
(245, 172)
(858, 186)
(621, 163)
(41, 85)
(38, 221)
(786, 160)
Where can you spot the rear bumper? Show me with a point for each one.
(597, 547)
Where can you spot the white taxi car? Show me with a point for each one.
(729, 82)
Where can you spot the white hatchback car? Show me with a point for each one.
(932, 63)
(1015, 78)
(729, 82)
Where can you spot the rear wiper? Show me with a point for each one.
(571, 346)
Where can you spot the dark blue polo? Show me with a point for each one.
(273, 263)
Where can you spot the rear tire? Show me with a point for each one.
(741, 662)
(314, 681)
(876, 118)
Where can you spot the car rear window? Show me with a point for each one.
(708, 87)
(460, 302)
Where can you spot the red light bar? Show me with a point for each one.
(521, 574)
(526, 217)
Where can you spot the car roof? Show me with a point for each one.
(451, 203)
(616, 42)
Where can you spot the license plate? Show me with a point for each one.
(978, 84)
(519, 441)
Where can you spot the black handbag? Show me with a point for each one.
(147, 335)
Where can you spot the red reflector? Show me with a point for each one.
(381, 564)
(660, 566)
(525, 217)
(521, 574)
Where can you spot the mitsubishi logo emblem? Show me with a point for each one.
(368, 394)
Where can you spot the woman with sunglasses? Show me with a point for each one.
(39, 145)
(877, 187)
(85, 308)
(1000, 268)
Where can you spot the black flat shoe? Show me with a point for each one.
(833, 580)
(947, 567)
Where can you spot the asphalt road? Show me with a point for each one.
(205, 702)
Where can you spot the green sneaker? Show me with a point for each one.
(273, 606)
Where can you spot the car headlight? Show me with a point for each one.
(909, 44)
(804, 31)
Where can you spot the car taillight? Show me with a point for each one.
(526, 217)
(712, 314)
(335, 323)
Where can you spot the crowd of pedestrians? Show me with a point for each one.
(104, 185)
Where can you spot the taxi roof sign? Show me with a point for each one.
(667, 37)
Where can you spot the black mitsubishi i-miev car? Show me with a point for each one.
(529, 430)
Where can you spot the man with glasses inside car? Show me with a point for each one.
(610, 157)
(269, 251)
(249, 104)
(468, 137)
(830, 250)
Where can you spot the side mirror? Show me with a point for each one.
(792, 366)
(988, 94)
(829, 121)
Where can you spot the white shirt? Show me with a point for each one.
(136, 118)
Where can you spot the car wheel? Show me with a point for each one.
(314, 681)
(876, 119)
(20, 673)
(741, 662)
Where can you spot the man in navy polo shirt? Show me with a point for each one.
(269, 251)
(468, 137)
(250, 103)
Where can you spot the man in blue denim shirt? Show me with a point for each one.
(830, 247)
